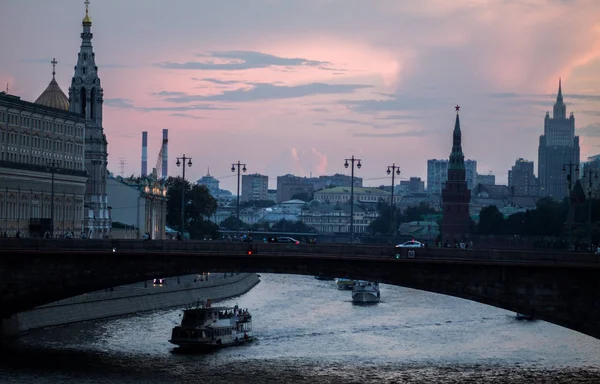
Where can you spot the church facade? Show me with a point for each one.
(53, 156)
(456, 196)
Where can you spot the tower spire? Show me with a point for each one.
(559, 98)
(87, 19)
(53, 62)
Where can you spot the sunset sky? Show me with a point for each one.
(290, 86)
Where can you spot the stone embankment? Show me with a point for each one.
(132, 299)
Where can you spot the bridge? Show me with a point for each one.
(561, 288)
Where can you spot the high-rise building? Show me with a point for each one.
(210, 183)
(437, 174)
(558, 150)
(413, 185)
(290, 185)
(456, 196)
(255, 187)
(85, 98)
(488, 179)
(521, 178)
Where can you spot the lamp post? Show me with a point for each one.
(358, 165)
(394, 170)
(589, 172)
(52, 168)
(570, 186)
(239, 166)
(181, 161)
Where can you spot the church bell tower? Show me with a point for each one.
(86, 98)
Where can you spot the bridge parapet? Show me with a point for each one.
(307, 250)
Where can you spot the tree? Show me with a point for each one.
(491, 221)
(304, 196)
(381, 225)
(284, 225)
(232, 223)
(257, 203)
(200, 206)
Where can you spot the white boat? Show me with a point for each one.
(343, 283)
(206, 328)
(365, 292)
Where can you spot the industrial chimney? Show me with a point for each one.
(144, 154)
(165, 159)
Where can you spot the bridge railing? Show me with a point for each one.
(306, 250)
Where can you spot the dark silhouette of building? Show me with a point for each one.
(558, 146)
(456, 197)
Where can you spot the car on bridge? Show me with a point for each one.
(411, 244)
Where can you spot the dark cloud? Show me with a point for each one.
(119, 103)
(168, 93)
(242, 60)
(591, 113)
(128, 104)
(398, 103)
(216, 81)
(187, 116)
(266, 91)
(357, 122)
(591, 130)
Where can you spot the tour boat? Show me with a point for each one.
(206, 328)
(343, 283)
(365, 292)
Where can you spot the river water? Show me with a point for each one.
(310, 332)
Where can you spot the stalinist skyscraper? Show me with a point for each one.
(85, 99)
(558, 153)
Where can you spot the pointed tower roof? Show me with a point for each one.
(559, 98)
(53, 96)
(457, 159)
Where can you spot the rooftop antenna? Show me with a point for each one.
(122, 163)
(7, 88)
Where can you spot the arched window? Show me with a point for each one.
(83, 101)
(93, 104)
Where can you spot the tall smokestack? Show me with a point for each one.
(144, 154)
(165, 163)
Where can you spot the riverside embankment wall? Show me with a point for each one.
(124, 301)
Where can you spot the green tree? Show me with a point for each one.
(491, 221)
(257, 204)
(381, 225)
(232, 223)
(547, 219)
(200, 206)
(284, 225)
(304, 196)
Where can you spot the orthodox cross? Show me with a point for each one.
(87, 3)
(53, 62)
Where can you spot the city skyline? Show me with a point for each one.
(381, 87)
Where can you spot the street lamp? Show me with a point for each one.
(589, 172)
(181, 161)
(238, 166)
(393, 170)
(53, 168)
(358, 165)
(570, 186)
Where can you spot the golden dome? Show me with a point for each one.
(87, 19)
(53, 97)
